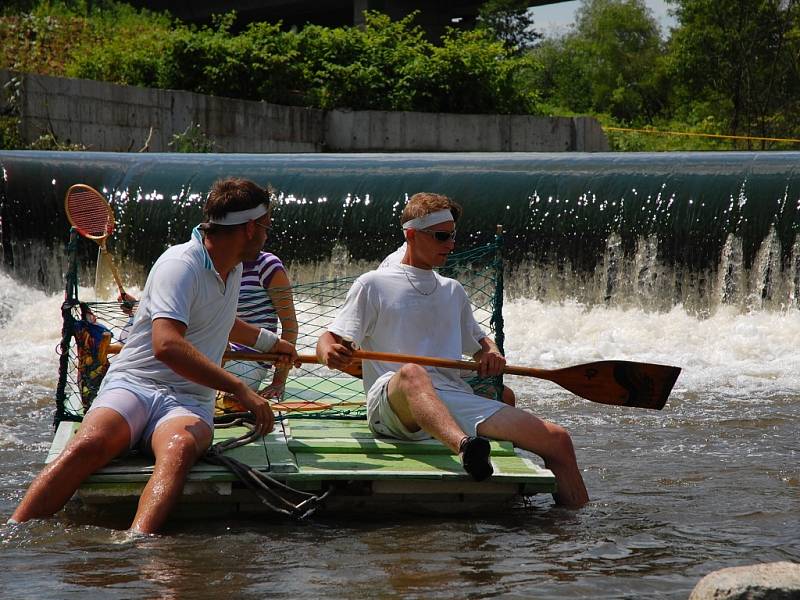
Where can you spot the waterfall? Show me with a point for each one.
(646, 231)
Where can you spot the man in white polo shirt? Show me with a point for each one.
(159, 392)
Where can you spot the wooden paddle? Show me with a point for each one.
(614, 382)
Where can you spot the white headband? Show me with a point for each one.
(434, 218)
(237, 217)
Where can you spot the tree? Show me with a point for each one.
(621, 44)
(739, 60)
(470, 72)
(610, 62)
(510, 22)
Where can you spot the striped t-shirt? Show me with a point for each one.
(255, 305)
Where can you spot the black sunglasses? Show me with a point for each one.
(441, 236)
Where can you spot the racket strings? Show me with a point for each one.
(89, 213)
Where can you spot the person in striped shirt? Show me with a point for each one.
(265, 300)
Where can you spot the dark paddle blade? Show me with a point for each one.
(615, 382)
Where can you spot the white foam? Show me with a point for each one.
(739, 354)
(30, 331)
(753, 354)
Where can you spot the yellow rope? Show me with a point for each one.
(710, 135)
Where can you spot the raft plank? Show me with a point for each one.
(353, 436)
(436, 466)
(373, 445)
(269, 454)
(326, 428)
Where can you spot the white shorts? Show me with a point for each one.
(145, 410)
(467, 409)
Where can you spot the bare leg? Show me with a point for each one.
(548, 440)
(416, 404)
(176, 444)
(103, 435)
(508, 396)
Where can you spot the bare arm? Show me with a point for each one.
(333, 352)
(171, 347)
(243, 333)
(492, 362)
(280, 292)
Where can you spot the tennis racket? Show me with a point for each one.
(92, 217)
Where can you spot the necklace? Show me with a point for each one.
(419, 291)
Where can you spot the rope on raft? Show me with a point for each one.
(275, 495)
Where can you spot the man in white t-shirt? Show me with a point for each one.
(507, 395)
(408, 308)
(159, 393)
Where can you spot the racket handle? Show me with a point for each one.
(114, 271)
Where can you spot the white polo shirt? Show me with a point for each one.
(182, 285)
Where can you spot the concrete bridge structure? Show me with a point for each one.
(434, 15)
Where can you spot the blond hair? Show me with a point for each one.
(425, 203)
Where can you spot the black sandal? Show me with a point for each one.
(475, 452)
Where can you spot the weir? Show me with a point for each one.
(652, 231)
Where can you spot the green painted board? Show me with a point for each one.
(353, 436)
(323, 429)
(271, 453)
(432, 466)
(372, 445)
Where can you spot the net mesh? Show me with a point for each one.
(311, 390)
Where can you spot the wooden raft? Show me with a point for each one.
(367, 474)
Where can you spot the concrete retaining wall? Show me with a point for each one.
(107, 117)
(365, 131)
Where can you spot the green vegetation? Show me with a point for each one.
(728, 68)
(387, 65)
(192, 139)
(510, 22)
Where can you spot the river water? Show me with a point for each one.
(711, 481)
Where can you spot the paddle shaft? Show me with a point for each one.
(447, 363)
(614, 382)
(381, 356)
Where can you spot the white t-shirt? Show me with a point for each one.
(387, 310)
(396, 257)
(182, 285)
